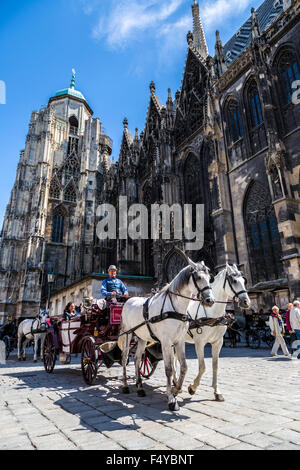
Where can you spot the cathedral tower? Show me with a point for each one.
(50, 219)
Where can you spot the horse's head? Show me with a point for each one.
(235, 286)
(42, 320)
(201, 278)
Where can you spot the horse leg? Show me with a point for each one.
(125, 354)
(19, 347)
(168, 356)
(35, 342)
(42, 347)
(199, 346)
(137, 360)
(24, 348)
(176, 370)
(216, 348)
(180, 354)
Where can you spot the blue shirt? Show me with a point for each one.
(113, 284)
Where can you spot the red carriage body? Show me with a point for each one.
(92, 334)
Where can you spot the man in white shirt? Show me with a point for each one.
(295, 323)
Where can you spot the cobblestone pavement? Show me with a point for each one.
(58, 411)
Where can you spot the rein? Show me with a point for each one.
(225, 320)
(167, 315)
(197, 323)
(198, 300)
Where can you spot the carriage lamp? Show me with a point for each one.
(51, 279)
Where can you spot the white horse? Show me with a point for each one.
(32, 330)
(174, 298)
(229, 282)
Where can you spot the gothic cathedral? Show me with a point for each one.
(229, 139)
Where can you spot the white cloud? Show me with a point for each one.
(121, 22)
(89, 6)
(214, 13)
(127, 18)
(172, 37)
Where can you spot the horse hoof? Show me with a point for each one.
(24, 358)
(219, 397)
(125, 390)
(191, 391)
(141, 393)
(174, 406)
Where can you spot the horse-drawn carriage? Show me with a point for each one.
(8, 334)
(93, 334)
(174, 315)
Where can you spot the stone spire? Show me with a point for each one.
(255, 28)
(219, 57)
(198, 32)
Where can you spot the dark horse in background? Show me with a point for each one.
(8, 334)
(234, 334)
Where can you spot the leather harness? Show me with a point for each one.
(197, 323)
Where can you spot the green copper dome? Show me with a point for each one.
(71, 91)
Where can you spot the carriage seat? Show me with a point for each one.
(68, 333)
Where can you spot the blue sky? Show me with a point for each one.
(116, 46)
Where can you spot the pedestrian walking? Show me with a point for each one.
(277, 329)
(295, 323)
(288, 324)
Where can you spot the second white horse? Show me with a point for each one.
(229, 282)
(32, 330)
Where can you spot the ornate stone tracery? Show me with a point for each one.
(262, 233)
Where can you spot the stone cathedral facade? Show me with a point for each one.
(229, 139)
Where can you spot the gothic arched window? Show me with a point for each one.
(72, 168)
(147, 245)
(55, 189)
(234, 121)
(73, 125)
(262, 234)
(254, 105)
(192, 181)
(288, 71)
(58, 223)
(257, 131)
(70, 193)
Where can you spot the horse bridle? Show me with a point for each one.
(39, 325)
(200, 291)
(236, 294)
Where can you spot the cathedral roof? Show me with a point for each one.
(266, 14)
(76, 94)
(70, 92)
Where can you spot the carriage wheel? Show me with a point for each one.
(147, 367)
(49, 353)
(89, 365)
